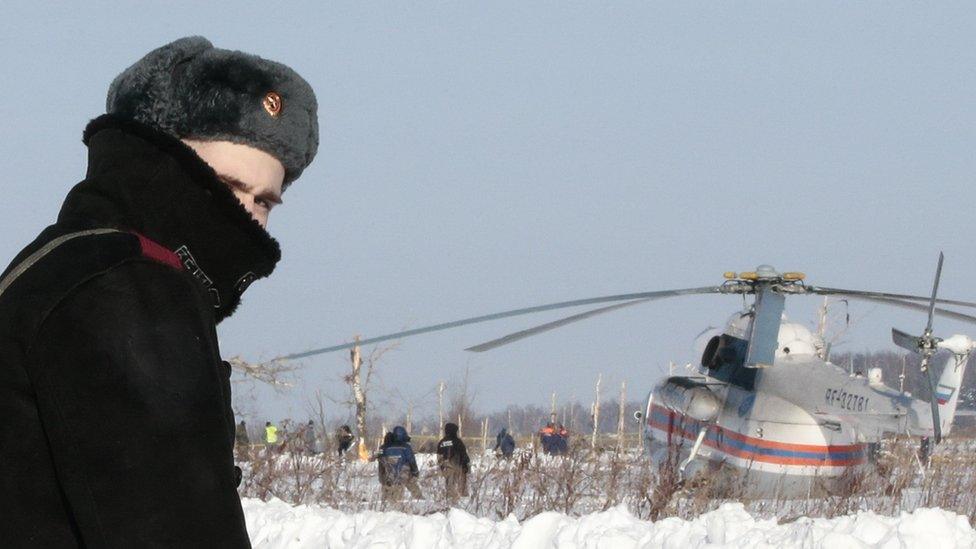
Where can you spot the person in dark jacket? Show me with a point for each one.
(380, 464)
(453, 462)
(117, 423)
(344, 439)
(559, 445)
(547, 437)
(504, 444)
(241, 439)
(398, 467)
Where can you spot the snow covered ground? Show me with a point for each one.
(275, 524)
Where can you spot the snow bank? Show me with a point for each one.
(276, 524)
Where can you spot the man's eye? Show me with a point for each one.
(266, 204)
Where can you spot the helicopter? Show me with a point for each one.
(767, 404)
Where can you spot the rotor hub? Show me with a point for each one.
(746, 282)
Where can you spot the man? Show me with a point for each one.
(504, 444)
(270, 434)
(560, 442)
(398, 467)
(453, 461)
(344, 439)
(241, 437)
(381, 464)
(547, 436)
(118, 428)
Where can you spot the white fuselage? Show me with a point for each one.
(800, 419)
(757, 431)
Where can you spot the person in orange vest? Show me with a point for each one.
(547, 436)
(560, 441)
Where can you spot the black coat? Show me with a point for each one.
(451, 449)
(115, 420)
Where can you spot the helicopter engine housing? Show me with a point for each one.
(691, 399)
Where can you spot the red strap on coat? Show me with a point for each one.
(157, 252)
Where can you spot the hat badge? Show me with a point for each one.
(272, 104)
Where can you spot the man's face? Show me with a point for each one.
(254, 175)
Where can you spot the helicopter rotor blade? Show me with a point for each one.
(938, 311)
(516, 336)
(928, 343)
(933, 386)
(506, 314)
(905, 340)
(935, 291)
(925, 345)
(864, 294)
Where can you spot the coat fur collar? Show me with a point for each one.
(143, 180)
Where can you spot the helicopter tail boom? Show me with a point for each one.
(946, 394)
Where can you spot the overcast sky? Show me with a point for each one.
(482, 158)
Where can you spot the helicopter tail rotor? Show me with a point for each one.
(926, 345)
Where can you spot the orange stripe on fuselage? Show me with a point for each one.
(720, 432)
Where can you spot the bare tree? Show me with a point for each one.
(316, 410)
(440, 406)
(596, 413)
(484, 435)
(620, 418)
(358, 382)
(552, 408)
(461, 402)
(275, 373)
(355, 381)
(398, 400)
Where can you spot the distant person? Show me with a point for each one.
(453, 462)
(270, 434)
(284, 437)
(547, 437)
(504, 444)
(560, 442)
(344, 439)
(398, 467)
(240, 436)
(381, 466)
(311, 446)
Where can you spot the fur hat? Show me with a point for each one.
(190, 89)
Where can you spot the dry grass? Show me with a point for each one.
(585, 481)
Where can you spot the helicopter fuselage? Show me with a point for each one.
(798, 426)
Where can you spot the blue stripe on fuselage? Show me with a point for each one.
(717, 437)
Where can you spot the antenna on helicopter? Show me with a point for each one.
(926, 345)
(901, 377)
